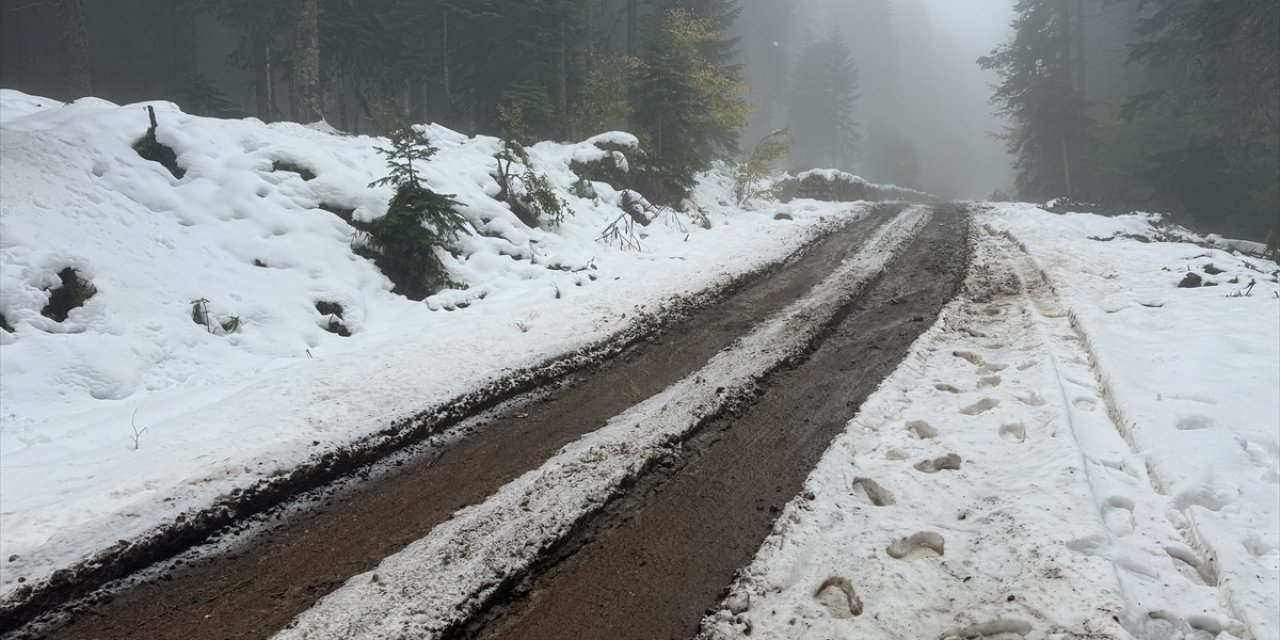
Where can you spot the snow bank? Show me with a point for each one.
(128, 414)
(832, 185)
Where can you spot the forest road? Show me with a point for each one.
(684, 531)
(651, 566)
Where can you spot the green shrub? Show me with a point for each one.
(528, 193)
(757, 165)
(418, 221)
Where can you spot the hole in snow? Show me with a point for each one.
(72, 294)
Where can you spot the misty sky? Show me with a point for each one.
(974, 28)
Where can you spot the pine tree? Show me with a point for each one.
(77, 81)
(308, 101)
(823, 101)
(417, 223)
(259, 23)
(1213, 97)
(682, 101)
(1050, 130)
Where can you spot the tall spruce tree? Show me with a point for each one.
(682, 101)
(1049, 134)
(824, 95)
(1214, 91)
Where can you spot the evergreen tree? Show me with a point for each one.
(1049, 136)
(77, 82)
(1214, 96)
(823, 99)
(306, 94)
(682, 100)
(417, 223)
(259, 22)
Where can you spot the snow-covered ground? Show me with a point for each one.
(128, 413)
(1078, 448)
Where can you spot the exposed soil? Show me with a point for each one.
(255, 591)
(662, 556)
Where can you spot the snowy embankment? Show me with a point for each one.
(127, 414)
(1077, 448)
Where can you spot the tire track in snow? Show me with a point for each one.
(439, 582)
(1148, 533)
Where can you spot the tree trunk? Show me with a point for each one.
(417, 100)
(562, 97)
(307, 105)
(1068, 94)
(1082, 89)
(262, 81)
(633, 27)
(73, 42)
(445, 76)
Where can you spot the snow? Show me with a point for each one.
(215, 412)
(1077, 448)
(1116, 442)
(439, 580)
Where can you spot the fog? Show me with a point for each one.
(918, 78)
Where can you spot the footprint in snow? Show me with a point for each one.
(1194, 422)
(925, 544)
(997, 629)
(921, 429)
(838, 596)
(1085, 403)
(878, 495)
(990, 381)
(946, 387)
(949, 462)
(981, 406)
(1031, 399)
(1014, 432)
(1117, 514)
(1191, 567)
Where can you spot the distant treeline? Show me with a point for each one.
(523, 69)
(1186, 119)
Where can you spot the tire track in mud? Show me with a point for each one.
(287, 565)
(657, 558)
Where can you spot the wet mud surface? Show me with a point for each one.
(660, 557)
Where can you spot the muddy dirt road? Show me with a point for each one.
(257, 589)
(666, 553)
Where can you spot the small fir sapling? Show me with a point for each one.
(418, 220)
(757, 165)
